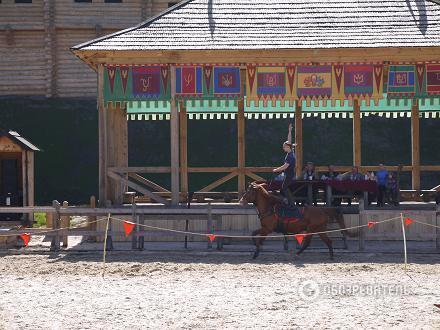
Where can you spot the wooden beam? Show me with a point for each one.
(298, 138)
(152, 169)
(147, 182)
(102, 141)
(415, 145)
(255, 176)
(408, 54)
(135, 186)
(241, 137)
(174, 132)
(219, 182)
(183, 148)
(356, 133)
(212, 169)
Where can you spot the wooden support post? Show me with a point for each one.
(356, 133)
(102, 140)
(109, 245)
(437, 230)
(241, 137)
(298, 138)
(415, 145)
(117, 149)
(183, 149)
(210, 225)
(55, 244)
(174, 131)
(91, 219)
(361, 222)
(65, 223)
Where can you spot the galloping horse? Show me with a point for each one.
(314, 219)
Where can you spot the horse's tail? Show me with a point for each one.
(338, 216)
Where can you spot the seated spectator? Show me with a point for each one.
(382, 177)
(309, 172)
(392, 189)
(354, 175)
(370, 176)
(331, 174)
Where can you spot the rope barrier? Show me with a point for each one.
(254, 236)
(43, 232)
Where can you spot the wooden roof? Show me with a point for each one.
(281, 24)
(14, 136)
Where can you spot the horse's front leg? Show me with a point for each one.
(259, 241)
(255, 233)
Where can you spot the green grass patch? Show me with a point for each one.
(40, 220)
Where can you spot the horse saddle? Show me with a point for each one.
(291, 213)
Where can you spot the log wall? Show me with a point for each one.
(35, 39)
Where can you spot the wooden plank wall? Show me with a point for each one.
(35, 39)
(244, 225)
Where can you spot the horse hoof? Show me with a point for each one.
(256, 254)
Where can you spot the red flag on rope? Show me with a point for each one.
(211, 237)
(128, 227)
(371, 224)
(300, 238)
(25, 238)
(408, 221)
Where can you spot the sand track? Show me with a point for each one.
(210, 291)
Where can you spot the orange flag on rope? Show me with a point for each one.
(408, 221)
(300, 238)
(25, 238)
(371, 224)
(128, 227)
(211, 237)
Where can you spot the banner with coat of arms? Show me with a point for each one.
(277, 84)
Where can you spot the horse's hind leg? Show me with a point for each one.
(305, 244)
(328, 242)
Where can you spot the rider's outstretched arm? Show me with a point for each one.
(289, 135)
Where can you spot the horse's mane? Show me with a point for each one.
(266, 194)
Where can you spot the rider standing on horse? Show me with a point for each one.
(288, 168)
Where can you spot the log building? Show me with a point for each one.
(35, 37)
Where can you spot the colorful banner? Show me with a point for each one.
(189, 81)
(401, 81)
(272, 83)
(358, 80)
(433, 79)
(147, 82)
(226, 81)
(314, 82)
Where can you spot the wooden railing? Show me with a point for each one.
(157, 192)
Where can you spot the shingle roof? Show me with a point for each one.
(19, 139)
(281, 24)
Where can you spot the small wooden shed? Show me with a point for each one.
(16, 171)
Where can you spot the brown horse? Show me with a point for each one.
(314, 219)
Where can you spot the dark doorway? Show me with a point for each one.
(10, 188)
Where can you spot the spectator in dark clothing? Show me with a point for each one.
(309, 174)
(392, 189)
(354, 176)
(382, 178)
(333, 175)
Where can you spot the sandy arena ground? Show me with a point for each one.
(202, 290)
